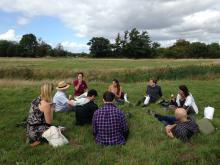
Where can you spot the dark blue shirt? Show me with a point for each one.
(154, 92)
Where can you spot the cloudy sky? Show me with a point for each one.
(73, 22)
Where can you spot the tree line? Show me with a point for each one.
(30, 46)
(136, 44)
(130, 44)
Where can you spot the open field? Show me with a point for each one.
(100, 64)
(147, 143)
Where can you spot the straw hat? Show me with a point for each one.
(62, 85)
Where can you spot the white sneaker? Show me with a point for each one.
(126, 98)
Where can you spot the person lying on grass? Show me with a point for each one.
(181, 126)
(185, 100)
(120, 96)
(84, 113)
(40, 115)
(80, 86)
(153, 93)
(62, 103)
(109, 123)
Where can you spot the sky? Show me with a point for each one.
(73, 23)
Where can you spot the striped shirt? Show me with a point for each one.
(109, 125)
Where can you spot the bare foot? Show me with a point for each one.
(36, 143)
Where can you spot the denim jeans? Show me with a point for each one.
(166, 120)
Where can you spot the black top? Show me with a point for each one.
(84, 113)
(154, 92)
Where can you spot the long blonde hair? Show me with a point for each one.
(46, 91)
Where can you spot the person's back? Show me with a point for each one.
(109, 123)
(84, 113)
(61, 101)
(40, 114)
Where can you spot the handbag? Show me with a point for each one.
(55, 137)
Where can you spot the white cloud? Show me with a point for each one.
(166, 20)
(22, 21)
(75, 47)
(9, 35)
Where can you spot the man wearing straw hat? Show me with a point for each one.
(62, 103)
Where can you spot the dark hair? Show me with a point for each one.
(92, 92)
(108, 96)
(154, 80)
(118, 85)
(80, 73)
(184, 89)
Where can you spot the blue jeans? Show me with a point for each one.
(166, 120)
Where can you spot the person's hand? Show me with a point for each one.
(70, 97)
(168, 128)
(80, 81)
(168, 131)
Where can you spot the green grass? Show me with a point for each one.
(98, 64)
(147, 143)
(106, 69)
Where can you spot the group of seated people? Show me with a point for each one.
(109, 123)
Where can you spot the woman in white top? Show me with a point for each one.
(185, 100)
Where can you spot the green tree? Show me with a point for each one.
(29, 45)
(100, 47)
(136, 44)
(59, 51)
(198, 50)
(9, 48)
(214, 50)
(117, 46)
(43, 49)
(180, 49)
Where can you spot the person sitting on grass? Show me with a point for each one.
(181, 126)
(40, 115)
(153, 93)
(109, 123)
(116, 88)
(185, 100)
(62, 103)
(80, 86)
(84, 113)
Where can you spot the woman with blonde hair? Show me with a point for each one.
(40, 115)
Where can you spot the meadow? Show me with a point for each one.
(147, 143)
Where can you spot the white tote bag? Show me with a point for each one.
(55, 137)
(209, 112)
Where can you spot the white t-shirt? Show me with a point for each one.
(81, 101)
(190, 102)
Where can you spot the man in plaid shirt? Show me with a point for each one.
(109, 123)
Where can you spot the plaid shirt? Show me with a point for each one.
(109, 125)
(184, 131)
